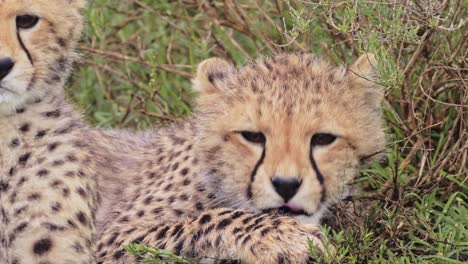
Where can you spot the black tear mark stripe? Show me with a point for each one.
(320, 178)
(254, 172)
(24, 47)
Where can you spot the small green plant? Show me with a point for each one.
(152, 255)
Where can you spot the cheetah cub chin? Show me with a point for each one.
(47, 184)
(269, 147)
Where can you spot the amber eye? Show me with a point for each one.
(26, 21)
(322, 139)
(254, 137)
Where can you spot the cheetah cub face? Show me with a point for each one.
(37, 40)
(287, 134)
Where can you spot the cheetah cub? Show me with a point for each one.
(47, 191)
(248, 177)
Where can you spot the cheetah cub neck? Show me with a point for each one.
(286, 134)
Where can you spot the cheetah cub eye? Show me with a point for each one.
(322, 139)
(254, 137)
(26, 21)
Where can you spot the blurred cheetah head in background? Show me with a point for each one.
(37, 42)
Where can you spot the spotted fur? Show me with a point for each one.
(198, 188)
(47, 177)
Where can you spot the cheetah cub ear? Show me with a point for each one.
(209, 73)
(364, 76)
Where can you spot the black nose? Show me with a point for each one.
(286, 187)
(6, 64)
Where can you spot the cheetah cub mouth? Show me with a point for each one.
(286, 210)
(287, 134)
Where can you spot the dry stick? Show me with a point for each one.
(233, 41)
(442, 162)
(338, 38)
(135, 17)
(129, 108)
(169, 50)
(243, 17)
(412, 152)
(421, 78)
(234, 26)
(446, 159)
(268, 18)
(414, 133)
(209, 9)
(118, 56)
(143, 5)
(252, 30)
(160, 16)
(446, 86)
(107, 91)
(408, 106)
(238, 15)
(424, 41)
(120, 75)
(461, 43)
(135, 37)
(221, 4)
(421, 46)
(282, 32)
(421, 169)
(459, 10)
(463, 166)
(152, 114)
(222, 46)
(114, 72)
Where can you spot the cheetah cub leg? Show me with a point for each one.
(219, 234)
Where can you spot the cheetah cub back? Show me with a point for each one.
(47, 186)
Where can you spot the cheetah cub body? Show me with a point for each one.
(282, 135)
(47, 192)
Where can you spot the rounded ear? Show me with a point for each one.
(209, 72)
(363, 74)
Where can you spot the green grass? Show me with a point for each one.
(153, 255)
(140, 54)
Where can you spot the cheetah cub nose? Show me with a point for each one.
(286, 187)
(6, 64)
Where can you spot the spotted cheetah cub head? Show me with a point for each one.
(287, 134)
(37, 41)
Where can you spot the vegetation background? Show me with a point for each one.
(139, 56)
